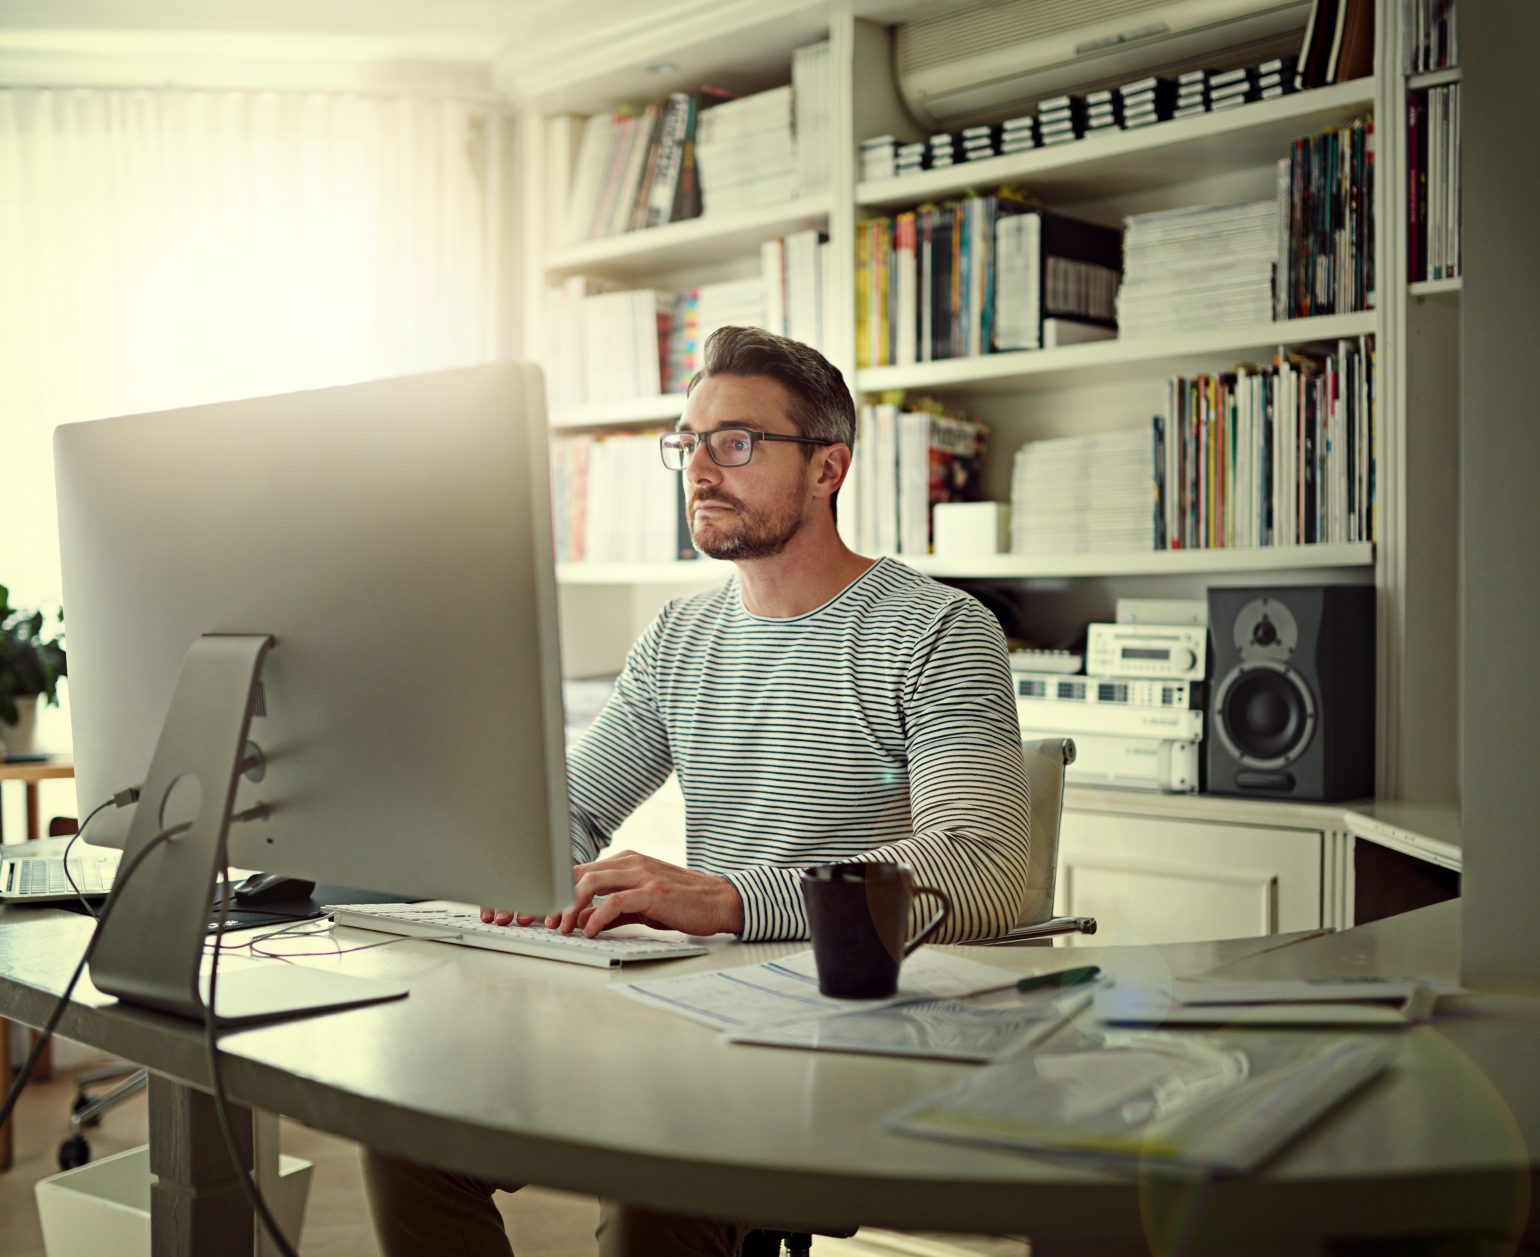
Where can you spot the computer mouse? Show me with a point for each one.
(266, 888)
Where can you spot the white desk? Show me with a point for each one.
(531, 1070)
(1428, 831)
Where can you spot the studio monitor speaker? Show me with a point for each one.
(1291, 703)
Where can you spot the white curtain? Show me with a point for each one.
(161, 248)
(166, 248)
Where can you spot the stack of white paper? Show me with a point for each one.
(1084, 494)
(777, 1004)
(1197, 268)
(746, 152)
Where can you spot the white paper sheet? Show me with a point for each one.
(787, 989)
(957, 1030)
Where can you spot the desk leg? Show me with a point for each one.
(7, 1146)
(34, 814)
(196, 1204)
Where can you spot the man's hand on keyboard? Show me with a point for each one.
(637, 889)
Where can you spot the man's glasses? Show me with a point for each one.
(728, 447)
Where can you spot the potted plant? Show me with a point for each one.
(30, 667)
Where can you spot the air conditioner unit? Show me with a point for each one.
(985, 61)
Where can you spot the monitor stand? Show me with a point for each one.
(150, 947)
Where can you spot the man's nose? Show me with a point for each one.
(701, 468)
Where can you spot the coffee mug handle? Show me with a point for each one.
(934, 923)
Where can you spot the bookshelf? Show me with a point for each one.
(1254, 560)
(1436, 287)
(1111, 361)
(665, 408)
(1120, 162)
(697, 243)
(1216, 158)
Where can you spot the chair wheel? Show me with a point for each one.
(74, 1152)
(83, 1099)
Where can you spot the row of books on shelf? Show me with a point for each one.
(907, 460)
(702, 151)
(992, 273)
(608, 343)
(613, 500)
(978, 276)
(1073, 116)
(1430, 35)
(1326, 188)
(1281, 456)
(1433, 191)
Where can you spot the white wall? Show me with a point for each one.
(1500, 463)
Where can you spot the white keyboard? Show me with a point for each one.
(454, 923)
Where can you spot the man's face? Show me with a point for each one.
(752, 511)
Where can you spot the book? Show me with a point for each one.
(1352, 50)
(1058, 332)
(1311, 67)
(1047, 264)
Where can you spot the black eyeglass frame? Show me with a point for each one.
(708, 439)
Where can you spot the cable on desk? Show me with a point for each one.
(122, 799)
(127, 870)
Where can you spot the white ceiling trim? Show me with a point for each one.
(603, 38)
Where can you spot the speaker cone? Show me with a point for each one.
(1266, 715)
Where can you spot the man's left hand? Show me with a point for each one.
(638, 889)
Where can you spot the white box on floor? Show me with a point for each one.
(964, 530)
(104, 1207)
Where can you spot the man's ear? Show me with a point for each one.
(833, 466)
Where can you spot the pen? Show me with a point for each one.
(1060, 978)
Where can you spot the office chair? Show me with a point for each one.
(1046, 761)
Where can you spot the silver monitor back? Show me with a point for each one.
(394, 538)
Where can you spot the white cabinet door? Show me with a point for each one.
(1165, 881)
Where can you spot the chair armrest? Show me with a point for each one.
(1043, 929)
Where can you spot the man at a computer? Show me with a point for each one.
(818, 707)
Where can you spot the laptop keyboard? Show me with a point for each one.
(33, 876)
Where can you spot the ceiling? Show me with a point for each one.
(460, 29)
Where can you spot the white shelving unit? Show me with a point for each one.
(632, 410)
(1120, 162)
(1209, 159)
(1110, 361)
(697, 242)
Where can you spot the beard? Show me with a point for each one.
(746, 534)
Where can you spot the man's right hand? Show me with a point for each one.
(496, 916)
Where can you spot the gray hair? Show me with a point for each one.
(821, 405)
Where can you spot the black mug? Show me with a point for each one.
(859, 916)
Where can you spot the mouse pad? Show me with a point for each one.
(300, 909)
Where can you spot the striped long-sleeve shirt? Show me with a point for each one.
(880, 726)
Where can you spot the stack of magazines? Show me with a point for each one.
(747, 152)
(1155, 1101)
(1198, 268)
(1084, 494)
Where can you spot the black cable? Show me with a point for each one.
(126, 871)
(69, 846)
(216, 1079)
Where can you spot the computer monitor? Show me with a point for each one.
(393, 539)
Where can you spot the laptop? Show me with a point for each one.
(42, 879)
